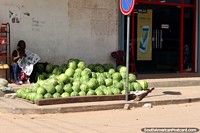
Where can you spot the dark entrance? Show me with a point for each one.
(164, 39)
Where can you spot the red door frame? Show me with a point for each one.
(182, 5)
(194, 37)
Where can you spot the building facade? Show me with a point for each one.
(58, 31)
(165, 36)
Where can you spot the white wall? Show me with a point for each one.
(198, 37)
(61, 29)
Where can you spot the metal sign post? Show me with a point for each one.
(127, 56)
(126, 7)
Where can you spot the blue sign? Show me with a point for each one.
(126, 6)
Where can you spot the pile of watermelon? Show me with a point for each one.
(75, 79)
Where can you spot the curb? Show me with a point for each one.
(167, 102)
(132, 104)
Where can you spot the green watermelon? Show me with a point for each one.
(40, 68)
(49, 68)
(143, 84)
(65, 94)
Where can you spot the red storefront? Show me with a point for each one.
(164, 36)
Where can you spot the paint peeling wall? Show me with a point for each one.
(59, 30)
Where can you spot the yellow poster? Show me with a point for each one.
(144, 36)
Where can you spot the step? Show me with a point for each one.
(173, 82)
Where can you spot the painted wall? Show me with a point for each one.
(59, 30)
(198, 37)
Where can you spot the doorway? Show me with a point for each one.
(162, 51)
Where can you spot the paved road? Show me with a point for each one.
(112, 121)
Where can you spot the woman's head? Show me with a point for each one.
(21, 44)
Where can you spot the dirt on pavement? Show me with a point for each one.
(110, 121)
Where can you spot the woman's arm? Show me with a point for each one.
(15, 55)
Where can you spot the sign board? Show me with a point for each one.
(164, 26)
(140, 10)
(144, 34)
(126, 6)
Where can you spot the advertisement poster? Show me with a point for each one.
(144, 36)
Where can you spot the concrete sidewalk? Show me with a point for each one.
(167, 91)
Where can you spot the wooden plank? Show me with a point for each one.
(140, 97)
(80, 99)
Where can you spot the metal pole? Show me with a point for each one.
(127, 56)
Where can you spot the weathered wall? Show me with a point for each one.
(198, 37)
(61, 29)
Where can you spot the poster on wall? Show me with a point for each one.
(144, 35)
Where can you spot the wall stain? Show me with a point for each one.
(101, 14)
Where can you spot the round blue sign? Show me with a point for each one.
(127, 6)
